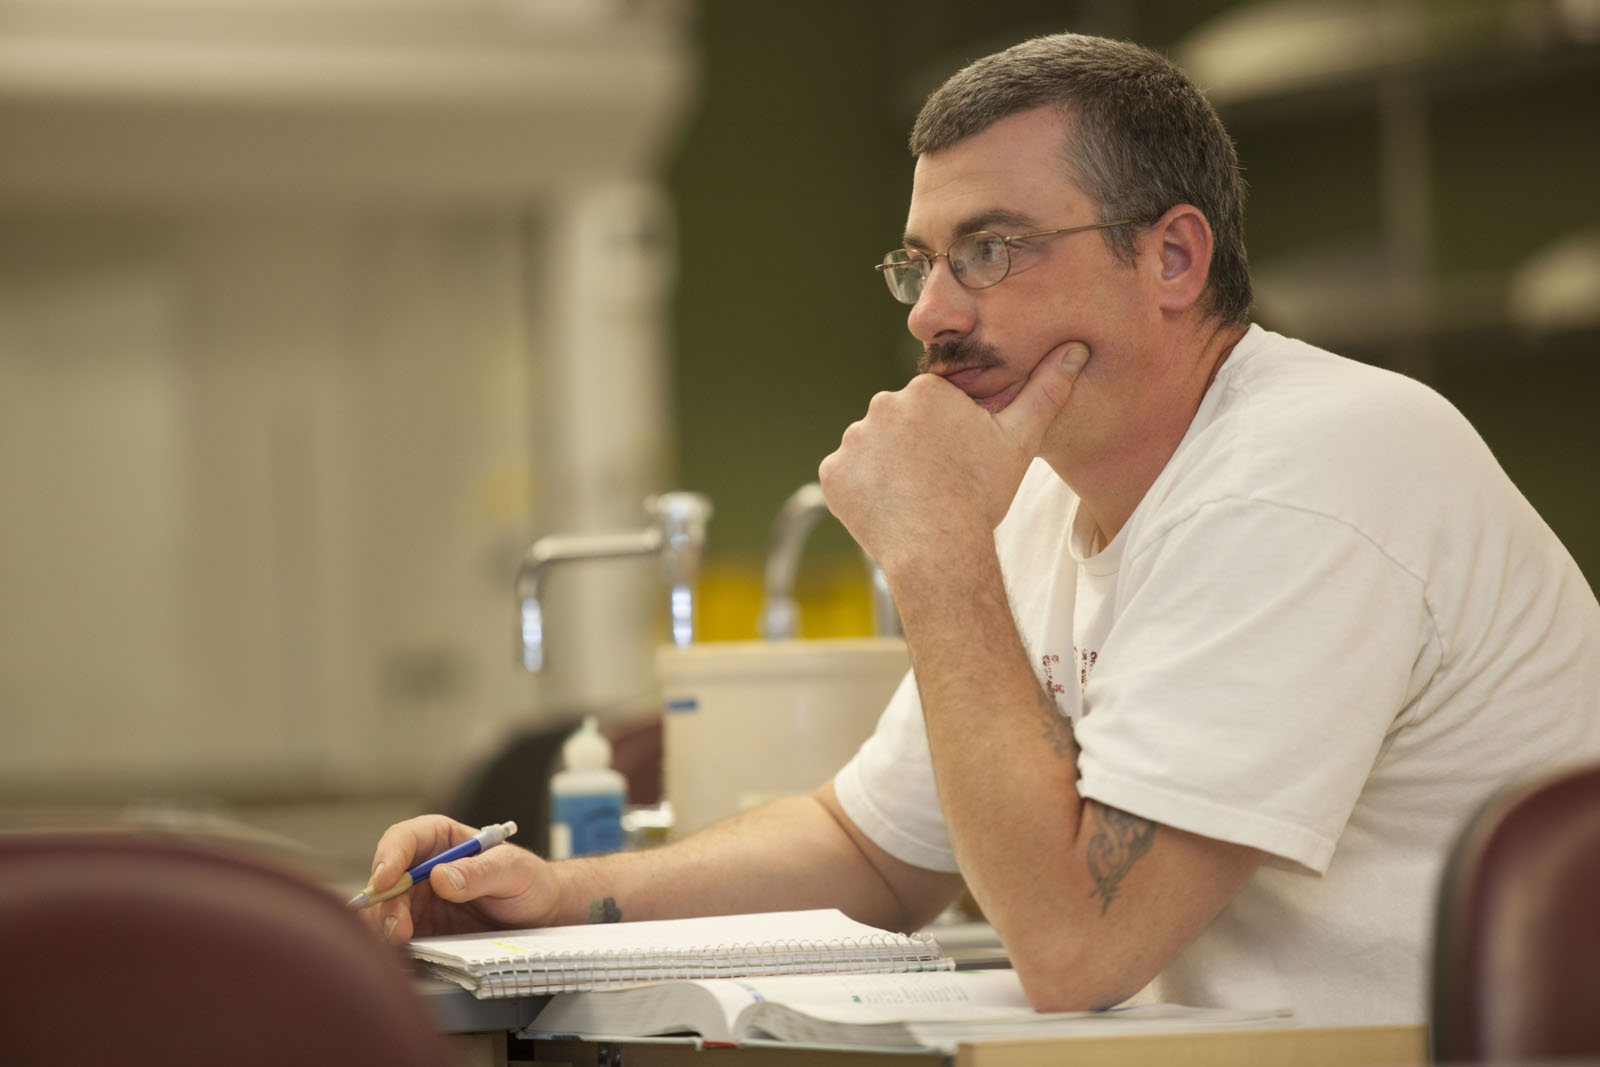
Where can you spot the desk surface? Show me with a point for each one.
(1358, 1046)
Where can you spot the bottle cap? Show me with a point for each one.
(587, 748)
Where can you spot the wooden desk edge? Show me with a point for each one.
(1334, 1046)
(1358, 1046)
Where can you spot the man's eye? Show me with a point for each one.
(989, 251)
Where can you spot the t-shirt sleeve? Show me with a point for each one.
(887, 789)
(1258, 662)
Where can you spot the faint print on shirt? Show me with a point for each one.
(1050, 662)
(1086, 661)
(1057, 724)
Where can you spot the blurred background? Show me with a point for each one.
(314, 315)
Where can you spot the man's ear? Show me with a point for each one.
(1181, 242)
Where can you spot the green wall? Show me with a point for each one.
(792, 181)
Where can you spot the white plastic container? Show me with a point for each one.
(744, 722)
(586, 798)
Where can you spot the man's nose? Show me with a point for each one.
(945, 310)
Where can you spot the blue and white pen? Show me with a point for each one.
(488, 837)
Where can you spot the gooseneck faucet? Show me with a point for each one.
(780, 614)
(677, 535)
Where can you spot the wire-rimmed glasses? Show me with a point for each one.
(978, 260)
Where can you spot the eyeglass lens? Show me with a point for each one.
(978, 260)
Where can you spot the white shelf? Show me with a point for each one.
(466, 100)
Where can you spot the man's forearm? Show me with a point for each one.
(788, 854)
(1005, 760)
(1003, 754)
(1091, 902)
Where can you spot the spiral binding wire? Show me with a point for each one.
(572, 972)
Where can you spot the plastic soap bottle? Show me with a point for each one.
(586, 798)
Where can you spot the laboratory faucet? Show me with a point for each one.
(780, 615)
(677, 535)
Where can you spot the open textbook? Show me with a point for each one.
(913, 1010)
(569, 958)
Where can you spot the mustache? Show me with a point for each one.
(958, 355)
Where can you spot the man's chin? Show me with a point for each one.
(998, 402)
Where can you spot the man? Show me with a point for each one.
(1217, 639)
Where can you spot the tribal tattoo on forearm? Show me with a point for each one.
(605, 911)
(1116, 846)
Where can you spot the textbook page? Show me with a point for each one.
(916, 1010)
(731, 1009)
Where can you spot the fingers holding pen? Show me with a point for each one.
(401, 847)
(392, 919)
(408, 843)
(505, 886)
(499, 886)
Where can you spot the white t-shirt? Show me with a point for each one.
(1329, 630)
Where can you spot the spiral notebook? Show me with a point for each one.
(561, 959)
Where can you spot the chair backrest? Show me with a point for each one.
(138, 948)
(636, 754)
(1516, 968)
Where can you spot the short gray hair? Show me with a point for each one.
(1143, 139)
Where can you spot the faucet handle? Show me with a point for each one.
(677, 536)
(681, 518)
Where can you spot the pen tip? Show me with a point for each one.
(359, 900)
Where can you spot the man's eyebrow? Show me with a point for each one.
(994, 219)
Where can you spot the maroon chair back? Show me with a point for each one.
(1517, 947)
(134, 948)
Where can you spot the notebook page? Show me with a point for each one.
(653, 937)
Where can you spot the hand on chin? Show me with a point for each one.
(927, 470)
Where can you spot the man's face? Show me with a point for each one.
(1009, 179)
